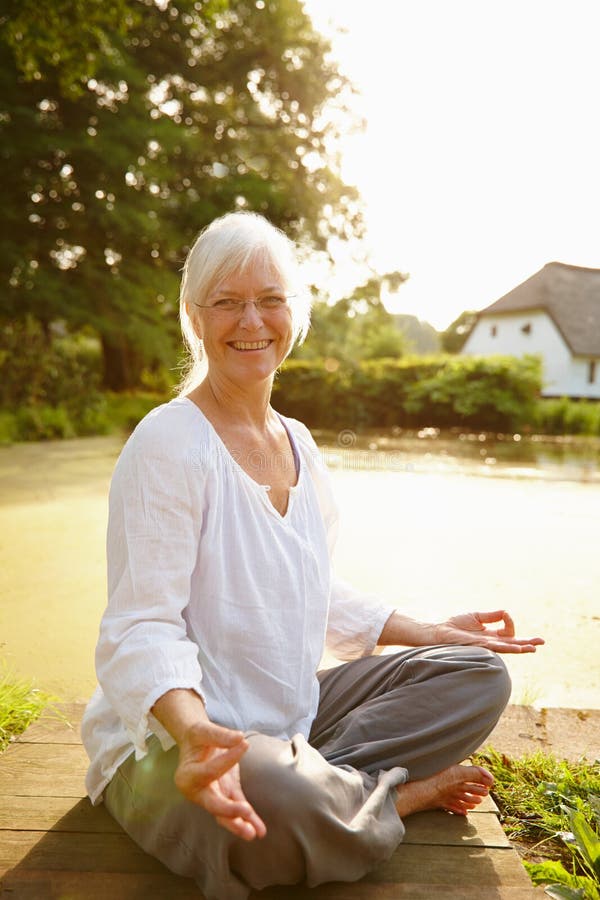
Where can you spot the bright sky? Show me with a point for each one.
(481, 157)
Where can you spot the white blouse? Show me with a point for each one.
(210, 588)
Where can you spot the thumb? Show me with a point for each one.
(214, 735)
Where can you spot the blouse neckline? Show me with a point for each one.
(261, 489)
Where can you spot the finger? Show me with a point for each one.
(253, 818)
(223, 807)
(218, 764)
(239, 827)
(499, 615)
(227, 809)
(210, 734)
(513, 647)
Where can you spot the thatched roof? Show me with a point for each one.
(571, 297)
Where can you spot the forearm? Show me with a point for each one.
(400, 629)
(178, 710)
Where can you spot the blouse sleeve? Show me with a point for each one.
(355, 619)
(155, 517)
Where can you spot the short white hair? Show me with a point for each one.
(232, 243)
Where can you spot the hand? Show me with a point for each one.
(208, 774)
(470, 628)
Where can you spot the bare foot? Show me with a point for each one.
(457, 789)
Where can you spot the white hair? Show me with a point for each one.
(231, 244)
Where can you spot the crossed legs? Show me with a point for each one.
(386, 741)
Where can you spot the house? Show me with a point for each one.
(556, 314)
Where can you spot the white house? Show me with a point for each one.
(556, 314)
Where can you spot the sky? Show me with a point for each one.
(480, 161)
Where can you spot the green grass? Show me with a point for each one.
(550, 809)
(20, 705)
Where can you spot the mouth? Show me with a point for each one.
(245, 346)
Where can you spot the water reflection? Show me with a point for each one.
(432, 450)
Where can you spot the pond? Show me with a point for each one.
(482, 453)
(419, 526)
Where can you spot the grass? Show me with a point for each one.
(550, 809)
(20, 705)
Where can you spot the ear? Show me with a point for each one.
(195, 320)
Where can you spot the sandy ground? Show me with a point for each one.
(435, 544)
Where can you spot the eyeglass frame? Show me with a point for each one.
(240, 307)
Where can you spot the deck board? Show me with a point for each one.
(54, 844)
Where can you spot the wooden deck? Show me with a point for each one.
(55, 846)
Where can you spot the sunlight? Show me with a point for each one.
(479, 160)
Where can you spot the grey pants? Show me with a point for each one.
(328, 803)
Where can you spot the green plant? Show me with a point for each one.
(20, 705)
(483, 393)
(551, 809)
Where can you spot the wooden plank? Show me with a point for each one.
(68, 814)
(358, 890)
(50, 728)
(55, 814)
(465, 866)
(74, 852)
(43, 770)
(43, 885)
(488, 804)
(440, 828)
(93, 886)
(48, 758)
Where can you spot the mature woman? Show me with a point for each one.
(213, 738)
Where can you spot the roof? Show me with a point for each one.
(571, 297)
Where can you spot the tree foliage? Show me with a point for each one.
(456, 334)
(356, 327)
(115, 156)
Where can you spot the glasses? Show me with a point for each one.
(231, 306)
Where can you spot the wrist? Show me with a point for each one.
(180, 711)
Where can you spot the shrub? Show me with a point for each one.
(565, 416)
(486, 393)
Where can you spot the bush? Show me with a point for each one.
(564, 416)
(485, 393)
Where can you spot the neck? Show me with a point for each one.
(248, 405)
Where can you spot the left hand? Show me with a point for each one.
(471, 628)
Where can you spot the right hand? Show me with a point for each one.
(208, 774)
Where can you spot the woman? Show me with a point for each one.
(212, 738)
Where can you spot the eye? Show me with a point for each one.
(272, 301)
(226, 303)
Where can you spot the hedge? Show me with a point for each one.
(493, 393)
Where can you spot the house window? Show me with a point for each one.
(493, 331)
(591, 371)
(526, 329)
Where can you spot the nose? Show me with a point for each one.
(250, 318)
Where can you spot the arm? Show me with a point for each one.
(469, 628)
(208, 770)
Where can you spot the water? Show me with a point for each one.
(426, 523)
(430, 450)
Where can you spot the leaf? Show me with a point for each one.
(594, 802)
(549, 871)
(562, 892)
(587, 840)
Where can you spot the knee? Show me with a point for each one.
(498, 683)
(282, 777)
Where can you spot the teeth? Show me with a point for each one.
(251, 345)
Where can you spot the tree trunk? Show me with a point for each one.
(122, 365)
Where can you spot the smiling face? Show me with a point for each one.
(248, 347)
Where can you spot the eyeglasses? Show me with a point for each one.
(231, 306)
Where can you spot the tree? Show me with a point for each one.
(185, 110)
(356, 327)
(455, 335)
(421, 337)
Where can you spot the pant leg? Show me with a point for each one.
(323, 823)
(423, 709)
